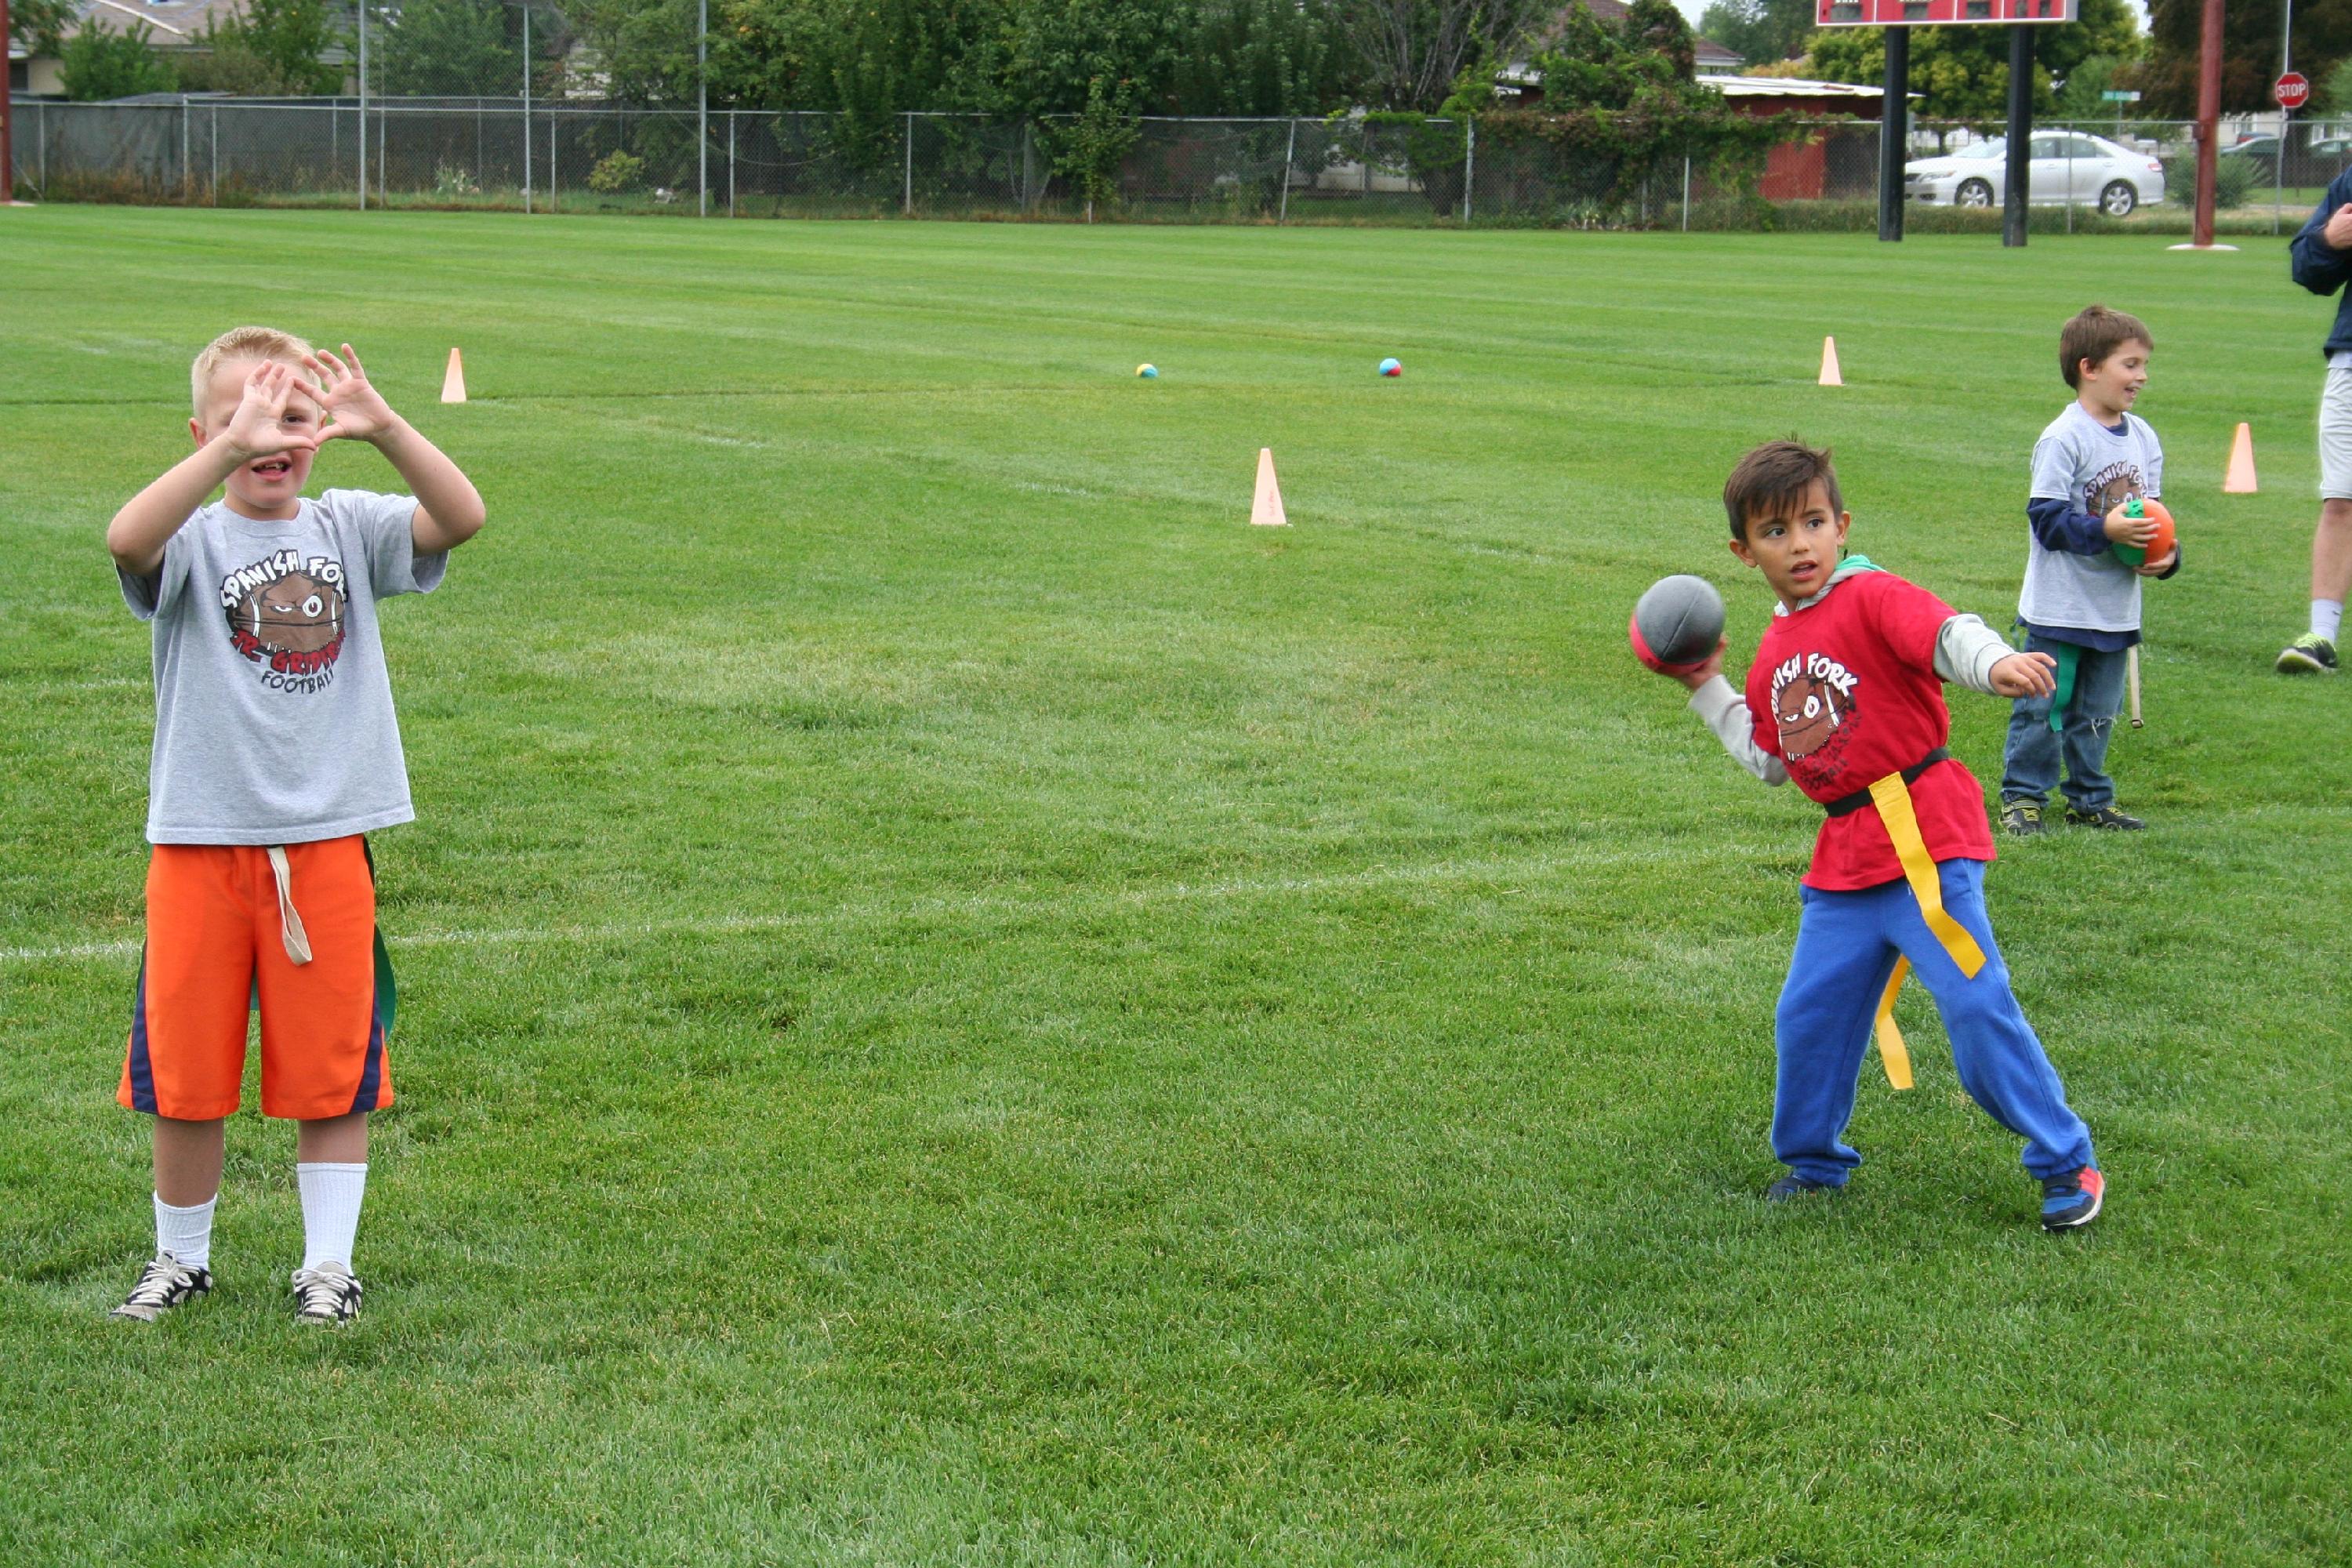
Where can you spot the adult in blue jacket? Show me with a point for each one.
(2321, 258)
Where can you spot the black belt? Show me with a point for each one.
(1846, 804)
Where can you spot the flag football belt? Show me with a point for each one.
(1891, 796)
(1847, 804)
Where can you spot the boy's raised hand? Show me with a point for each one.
(260, 428)
(356, 408)
(2025, 675)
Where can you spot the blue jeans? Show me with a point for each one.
(2029, 766)
(1846, 947)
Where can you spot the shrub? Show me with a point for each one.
(450, 181)
(618, 171)
(100, 64)
(2233, 179)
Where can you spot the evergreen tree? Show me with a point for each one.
(439, 47)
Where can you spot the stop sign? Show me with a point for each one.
(2291, 91)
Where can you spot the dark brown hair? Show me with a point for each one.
(2094, 335)
(1775, 478)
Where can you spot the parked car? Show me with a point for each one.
(2066, 167)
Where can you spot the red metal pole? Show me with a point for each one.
(2209, 120)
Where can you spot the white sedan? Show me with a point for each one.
(2066, 167)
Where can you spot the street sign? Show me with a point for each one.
(2112, 96)
(1939, 13)
(2293, 91)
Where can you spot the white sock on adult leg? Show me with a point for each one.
(2328, 617)
(186, 1234)
(330, 1211)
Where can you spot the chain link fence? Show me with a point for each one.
(568, 155)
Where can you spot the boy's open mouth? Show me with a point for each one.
(273, 467)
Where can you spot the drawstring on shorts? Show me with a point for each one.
(290, 922)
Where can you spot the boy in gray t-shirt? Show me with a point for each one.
(276, 748)
(2081, 600)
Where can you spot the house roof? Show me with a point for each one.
(1789, 87)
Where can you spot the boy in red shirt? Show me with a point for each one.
(1846, 698)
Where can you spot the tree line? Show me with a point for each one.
(1119, 58)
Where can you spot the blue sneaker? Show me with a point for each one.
(2072, 1200)
(1793, 1185)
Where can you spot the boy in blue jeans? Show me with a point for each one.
(1845, 700)
(2081, 603)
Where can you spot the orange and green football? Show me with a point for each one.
(2159, 547)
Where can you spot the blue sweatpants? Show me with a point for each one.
(1846, 947)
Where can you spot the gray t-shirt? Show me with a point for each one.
(273, 708)
(2092, 470)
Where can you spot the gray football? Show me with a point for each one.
(1676, 625)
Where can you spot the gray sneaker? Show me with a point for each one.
(163, 1285)
(326, 1294)
(2022, 818)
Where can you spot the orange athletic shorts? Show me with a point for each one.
(216, 941)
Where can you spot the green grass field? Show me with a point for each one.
(961, 1005)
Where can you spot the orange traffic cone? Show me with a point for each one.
(1829, 376)
(1266, 509)
(452, 385)
(2241, 478)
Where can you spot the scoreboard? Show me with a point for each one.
(1938, 13)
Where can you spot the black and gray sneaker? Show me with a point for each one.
(163, 1285)
(2104, 816)
(326, 1294)
(1793, 1185)
(2022, 818)
(2309, 654)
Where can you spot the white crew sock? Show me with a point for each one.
(330, 1211)
(2328, 617)
(186, 1234)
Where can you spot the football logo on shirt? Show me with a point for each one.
(2110, 487)
(287, 614)
(1813, 703)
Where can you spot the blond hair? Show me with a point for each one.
(241, 343)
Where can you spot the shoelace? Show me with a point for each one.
(157, 1283)
(321, 1294)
